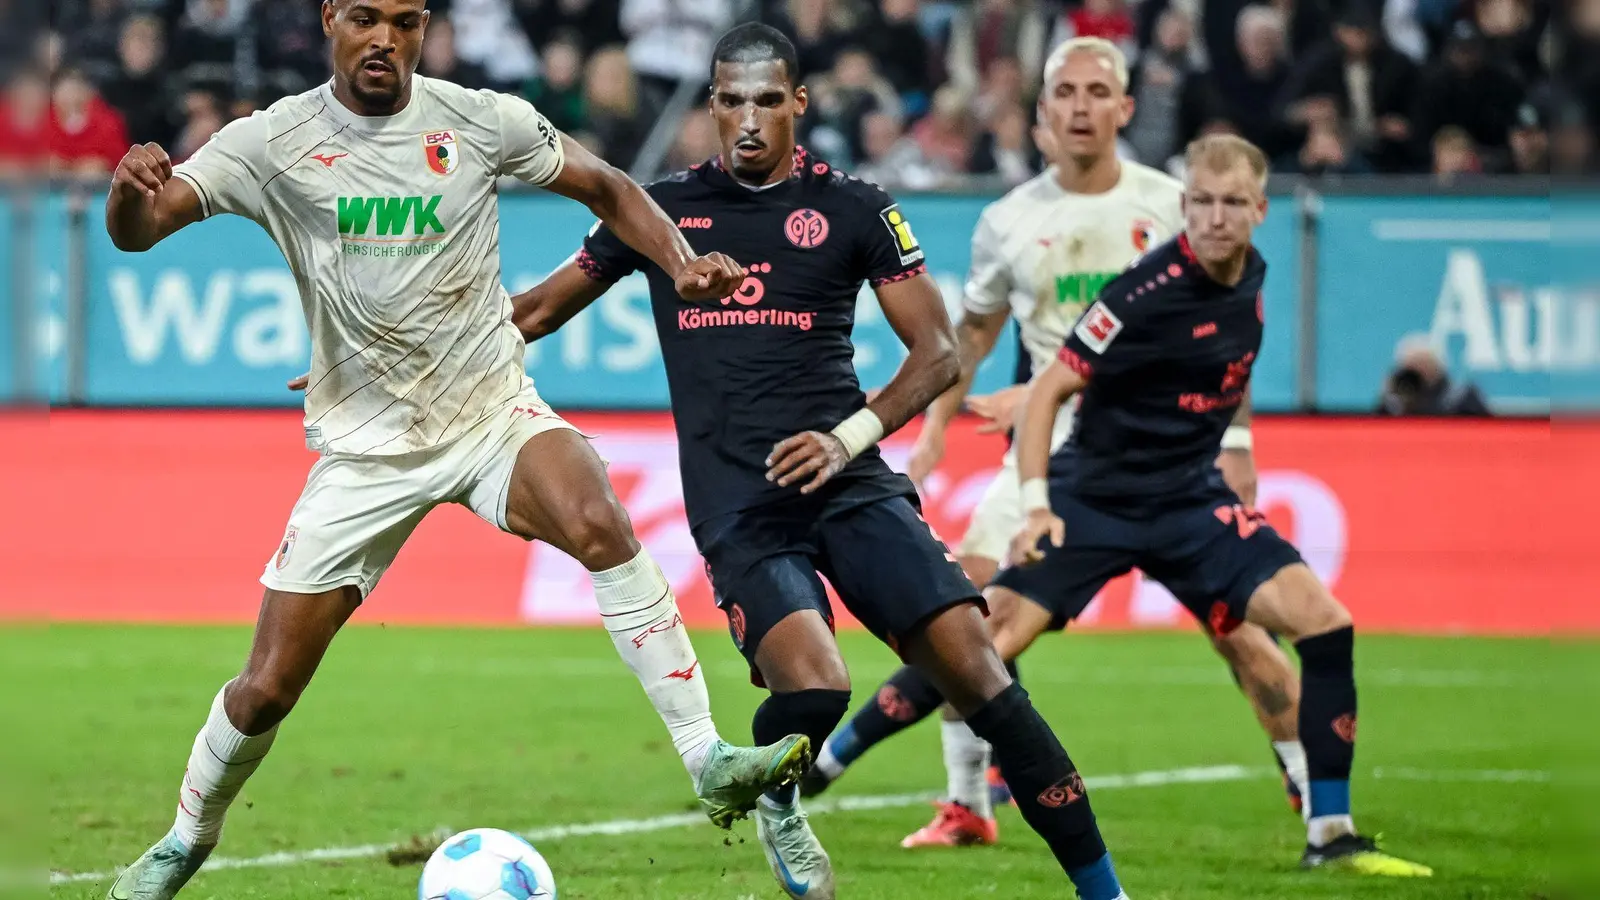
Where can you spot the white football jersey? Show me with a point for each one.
(1045, 253)
(391, 226)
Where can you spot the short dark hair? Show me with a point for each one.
(755, 42)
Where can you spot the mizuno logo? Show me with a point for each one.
(328, 160)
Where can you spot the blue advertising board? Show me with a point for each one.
(1472, 274)
(213, 315)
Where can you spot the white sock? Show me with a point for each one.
(828, 764)
(642, 616)
(1320, 830)
(966, 765)
(1293, 757)
(222, 760)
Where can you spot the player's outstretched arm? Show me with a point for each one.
(916, 311)
(1237, 460)
(146, 203)
(1048, 391)
(553, 302)
(630, 213)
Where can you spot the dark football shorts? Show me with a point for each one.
(1212, 555)
(884, 561)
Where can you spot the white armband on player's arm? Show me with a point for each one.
(1237, 437)
(860, 431)
(1035, 494)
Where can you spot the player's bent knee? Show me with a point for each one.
(597, 534)
(799, 654)
(259, 700)
(1296, 604)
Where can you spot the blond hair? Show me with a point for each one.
(1221, 152)
(1108, 53)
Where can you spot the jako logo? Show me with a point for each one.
(392, 216)
(694, 222)
(748, 294)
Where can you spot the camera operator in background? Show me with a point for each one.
(1420, 386)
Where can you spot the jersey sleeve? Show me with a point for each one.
(1109, 338)
(887, 250)
(605, 258)
(988, 288)
(229, 170)
(530, 147)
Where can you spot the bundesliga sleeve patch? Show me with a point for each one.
(900, 230)
(1098, 327)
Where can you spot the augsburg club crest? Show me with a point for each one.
(440, 149)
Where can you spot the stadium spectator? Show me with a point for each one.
(290, 49)
(894, 160)
(1370, 83)
(140, 87)
(1467, 90)
(902, 54)
(1107, 19)
(202, 118)
(205, 48)
(1530, 140)
(1001, 89)
(670, 41)
(1244, 88)
(25, 126)
(818, 28)
(617, 123)
(991, 29)
(1420, 386)
(946, 134)
(841, 98)
(87, 136)
(1164, 76)
(1572, 140)
(1454, 155)
(1327, 151)
(1003, 149)
(696, 141)
(558, 90)
(94, 37)
(24, 19)
(440, 59)
(592, 23)
(488, 36)
(1403, 26)
(1512, 31)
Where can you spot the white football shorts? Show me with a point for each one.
(997, 518)
(357, 511)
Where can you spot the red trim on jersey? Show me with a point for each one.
(591, 266)
(1186, 250)
(903, 276)
(1075, 362)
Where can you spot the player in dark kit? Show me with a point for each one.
(782, 477)
(1162, 361)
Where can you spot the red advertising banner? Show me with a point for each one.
(1420, 526)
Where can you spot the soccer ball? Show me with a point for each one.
(486, 864)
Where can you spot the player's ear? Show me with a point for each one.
(329, 11)
(1126, 114)
(802, 100)
(1261, 209)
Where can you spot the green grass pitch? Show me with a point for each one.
(411, 730)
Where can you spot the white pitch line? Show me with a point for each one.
(1200, 775)
(1158, 778)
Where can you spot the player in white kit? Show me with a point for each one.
(380, 189)
(1040, 254)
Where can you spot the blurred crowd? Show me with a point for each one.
(918, 94)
